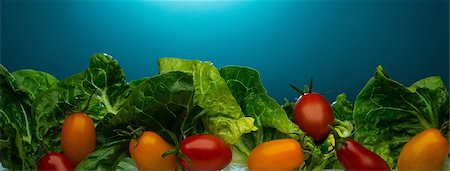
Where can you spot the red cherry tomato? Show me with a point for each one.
(206, 152)
(77, 137)
(313, 114)
(354, 156)
(54, 161)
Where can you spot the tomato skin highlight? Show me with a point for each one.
(427, 150)
(280, 154)
(78, 137)
(206, 152)
(313, 114)
(354, 156)
(147, 152)
(54, 161)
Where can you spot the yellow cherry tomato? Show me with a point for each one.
(78, 137)
(425, 151)
(147, 152)
(281, 154)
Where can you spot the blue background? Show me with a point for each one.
(338, 43)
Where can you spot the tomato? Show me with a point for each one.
(427, 150)
(77, 137)
(354, 156)
(313, 114)
(54, 161)
(147, 152)
(206, 152)
(281, 154)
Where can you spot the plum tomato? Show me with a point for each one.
(280, 154)
(55, 161)
(313, 114)
(354, 156)
(427, 150)
(147, 152)
(78, 137)
(205, 152)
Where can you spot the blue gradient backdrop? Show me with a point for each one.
(339, 44)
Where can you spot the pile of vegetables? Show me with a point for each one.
(195, 116)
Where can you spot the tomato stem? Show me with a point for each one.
(296, 89)
(338, 140)
(307, 89)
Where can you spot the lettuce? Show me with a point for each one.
(224, 117)
(19, 148)
(108, 157)
(104, 78)
(247, 89)
(273, 121)
(387, 114)
(160, 102)
(34, 105)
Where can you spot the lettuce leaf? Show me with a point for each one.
(388, 114)
(160, 102)
(33, 83)
(19, 147)
(224, 117)
(156, 103)
(104, 78)
(107, 157)
(342, 108)
(271, 119)
(247, 89)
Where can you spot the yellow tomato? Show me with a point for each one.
(425, 151)
(77, 137)
(281, 154)
(147, 151)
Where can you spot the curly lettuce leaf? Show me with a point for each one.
(156, 103)
(15, 132)
(342, 108)
(104, 78)
(107, 157)
(270, 118)
(33, 83)
(164, 101)
(19, 147)
(387, 113)
(223, 113)
(247, 88)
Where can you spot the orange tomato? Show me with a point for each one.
(147, 151)
(281, 154)
(425, 151)
(77, 137)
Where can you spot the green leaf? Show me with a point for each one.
(163, 100)
(33, 83)
(270, 118)
(104, 77)
(288, 107)
(211, 91)
(214, 96)
(15, 127)
(106, 157)
(342, 108)
(228, 128)
(246, 87)
(386, 111)
(126, 164)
